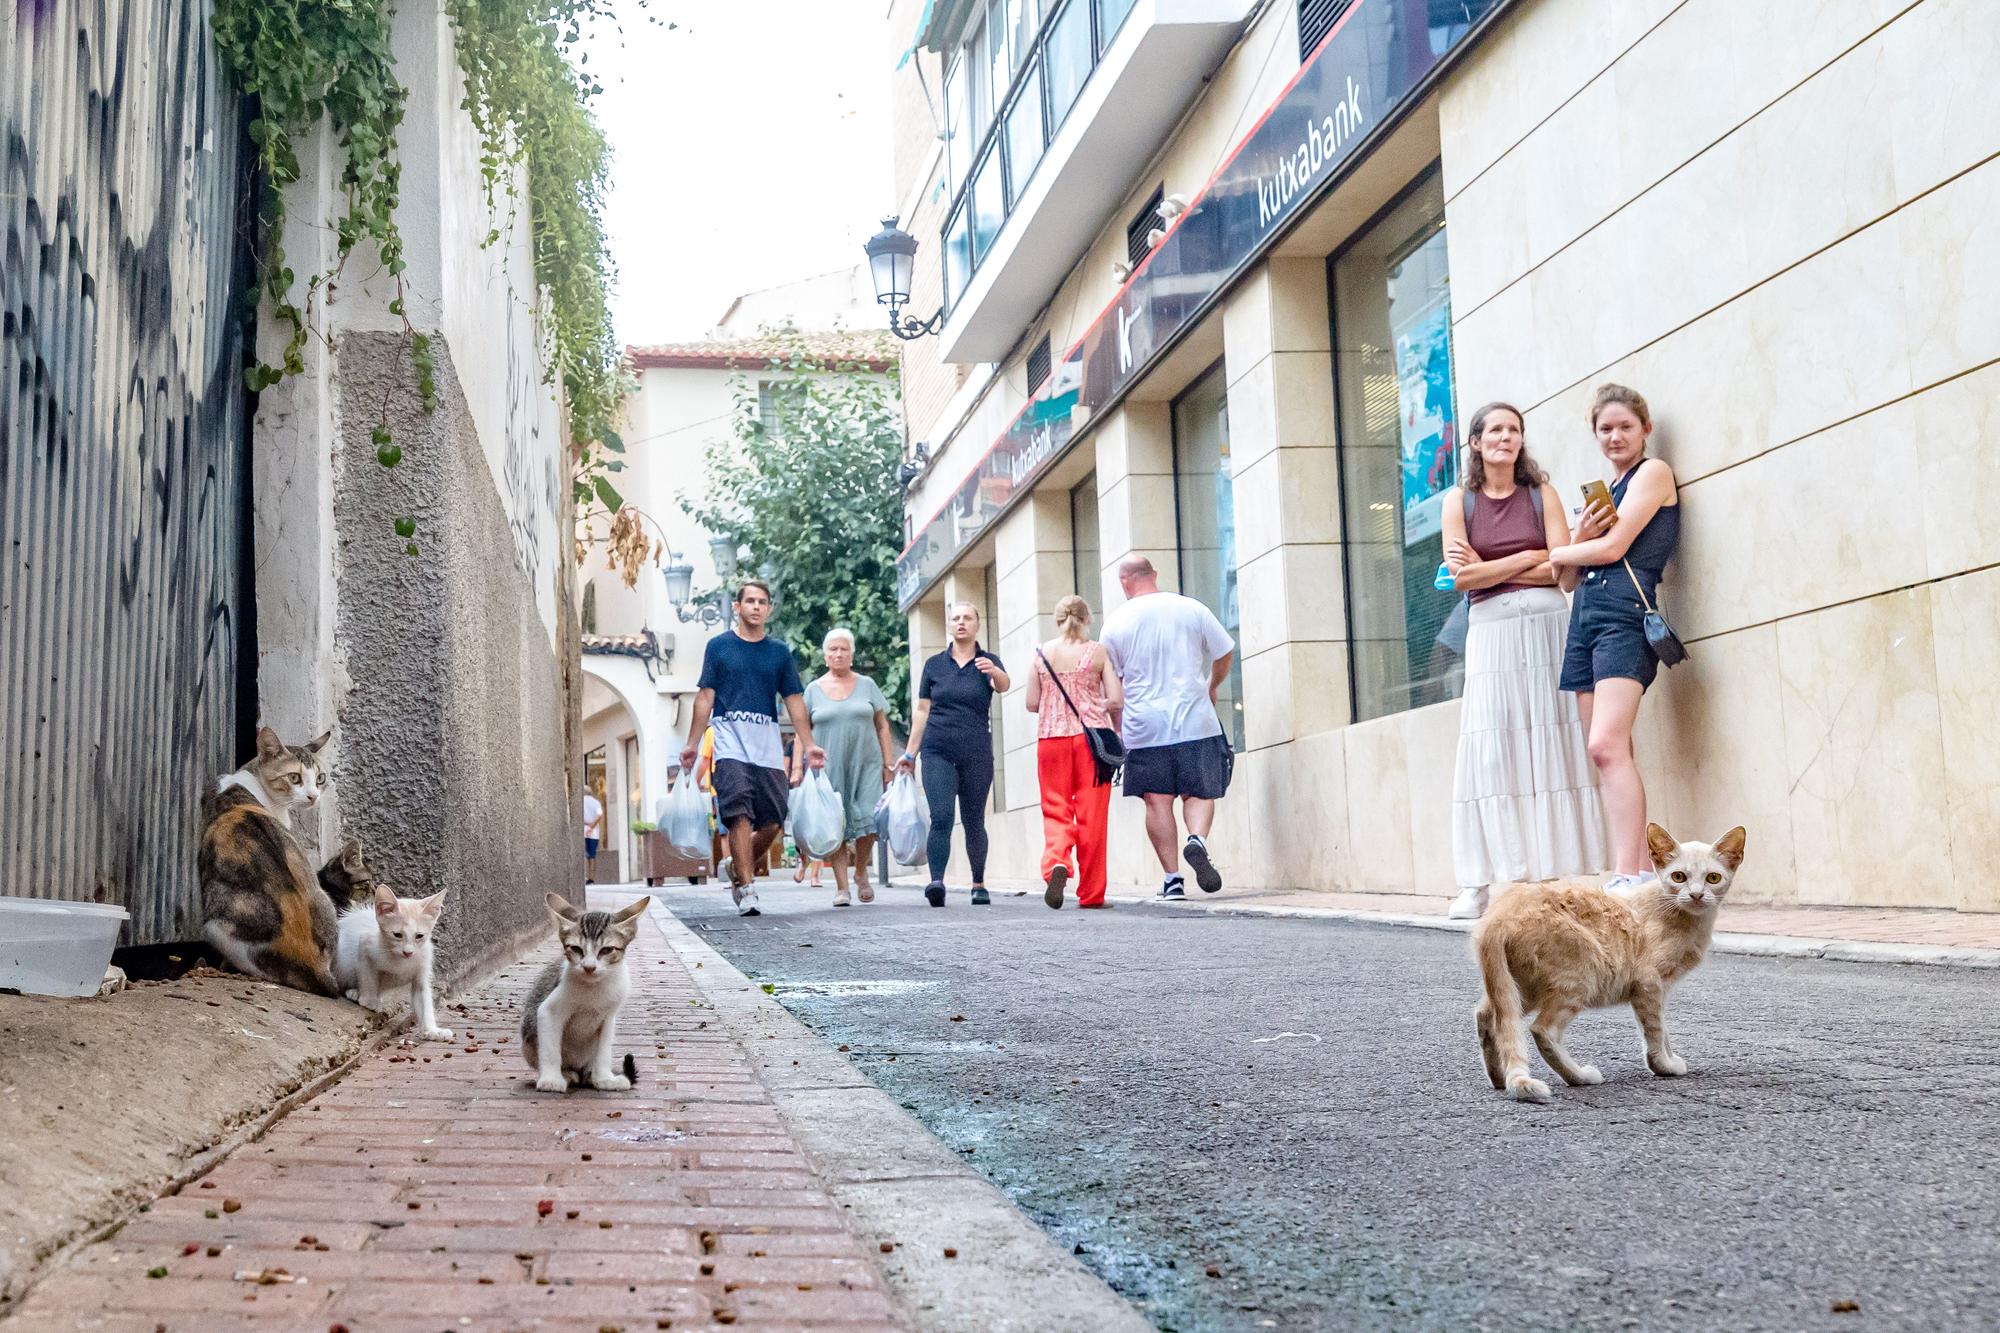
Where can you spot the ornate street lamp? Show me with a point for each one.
(892, 254)
(713, 609)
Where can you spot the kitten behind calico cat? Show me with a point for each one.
(571, 1017)
(262, 909)
(347, 878)
(1555, 950)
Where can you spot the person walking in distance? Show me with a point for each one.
(744, 672)
(1171, 655)
(593, 829)
(953, 731)
(851, 719)
(1073, 688)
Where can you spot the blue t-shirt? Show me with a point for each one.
(748, 680)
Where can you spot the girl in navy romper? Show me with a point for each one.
(1608, 662)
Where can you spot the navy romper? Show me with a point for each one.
(1607, 634)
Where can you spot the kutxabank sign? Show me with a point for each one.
(1358, 79)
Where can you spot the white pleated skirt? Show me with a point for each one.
(1525, 804)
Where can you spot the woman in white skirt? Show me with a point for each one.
(1524, 802)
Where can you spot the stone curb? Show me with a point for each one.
(898, 1183)
(1756, 946)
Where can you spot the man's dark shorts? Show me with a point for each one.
(750, 791)
(1197, 769)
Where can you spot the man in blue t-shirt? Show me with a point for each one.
(744, 672)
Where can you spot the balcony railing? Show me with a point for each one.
(1048, 78)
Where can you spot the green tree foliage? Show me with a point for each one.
(807, 484)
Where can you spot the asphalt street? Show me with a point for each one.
(1245, 1122)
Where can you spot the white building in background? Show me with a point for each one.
(642, 653)
(842, 299)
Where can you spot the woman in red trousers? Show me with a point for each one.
(1075, 804)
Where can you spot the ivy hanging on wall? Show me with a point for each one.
(308, 61)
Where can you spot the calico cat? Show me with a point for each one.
(1554, 950)
(347, 878)
(571, 1013)
(385, 946)
(262, 909)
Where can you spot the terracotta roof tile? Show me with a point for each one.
(873, 348)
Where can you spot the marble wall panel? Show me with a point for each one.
(1715, 757)
(1376, 755)
(1836, 516)
(1955, 432)
(1863, 752)
(1965, 628)
(1949, 242)
(1945, 48)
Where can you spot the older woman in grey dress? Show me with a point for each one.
(850, 721)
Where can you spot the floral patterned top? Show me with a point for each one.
(1085, 685)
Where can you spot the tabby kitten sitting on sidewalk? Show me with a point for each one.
(1555, 950)
(572, 1009)
(262, 907)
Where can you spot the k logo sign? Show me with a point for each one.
(1125, 322)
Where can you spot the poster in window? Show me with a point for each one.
(1423, 400)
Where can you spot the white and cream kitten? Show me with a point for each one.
(384, 946)
(571, 1017)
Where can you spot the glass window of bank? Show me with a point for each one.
(1086, 556)
(1205, 518)
(1398, 452)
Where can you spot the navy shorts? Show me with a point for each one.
(751, 791)
(1607, 637)
(1191, 769)
(590, 849)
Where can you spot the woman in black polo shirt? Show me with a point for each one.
(953, 731)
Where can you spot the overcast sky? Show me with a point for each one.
(750, 147)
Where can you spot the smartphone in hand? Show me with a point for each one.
(1594, 491)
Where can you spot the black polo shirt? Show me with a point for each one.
(961, 702)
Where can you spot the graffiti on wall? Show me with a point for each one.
(122, 451)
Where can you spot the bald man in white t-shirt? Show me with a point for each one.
(1172, 655)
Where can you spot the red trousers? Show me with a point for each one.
(1075, 811)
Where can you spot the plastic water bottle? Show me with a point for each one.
(1444, 581)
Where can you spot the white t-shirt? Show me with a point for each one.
(593, 810)
(1163, 647)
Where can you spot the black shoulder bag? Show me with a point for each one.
(1106, 746)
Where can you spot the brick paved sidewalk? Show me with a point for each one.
(435, 1189)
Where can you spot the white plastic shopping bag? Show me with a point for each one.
(687, 817)
(819, 821)
(905, 820)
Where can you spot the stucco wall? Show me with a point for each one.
(454, 756)
(451, 676)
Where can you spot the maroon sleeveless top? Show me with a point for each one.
(1500, 528)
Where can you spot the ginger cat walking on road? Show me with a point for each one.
(1555, 950)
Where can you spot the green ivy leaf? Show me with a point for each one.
(389, 455)
(406, 527)
(605, 492)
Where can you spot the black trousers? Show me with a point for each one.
(961, 773)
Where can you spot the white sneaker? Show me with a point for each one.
(1630, 886)
(746, 899)
(1469, 905)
